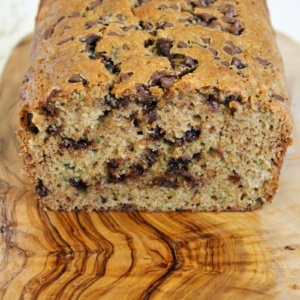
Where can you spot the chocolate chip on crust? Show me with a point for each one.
(75, 78)
(238, 63)
(279, 97)
(262, 61)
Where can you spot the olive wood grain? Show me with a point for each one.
(50, 255)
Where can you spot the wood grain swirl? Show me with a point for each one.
(50, 255)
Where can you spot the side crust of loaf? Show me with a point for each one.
(154, 105)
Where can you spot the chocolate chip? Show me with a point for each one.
(177, 166)
(149, 110)
(183, 20)
(190, 62)
(94, 4)
(74, 14)
(192, 134)
(225, 63)
(71, 38)
(78, 183)
(163, 46)
(131, 27)
(174, 7)
(91, 39)
(48, 32)
(120, 17)
(206, 40)
(126, 47)
(231, 48)
(157, 133)
(238, 63)
(228, 10)
(75, 78)
(41, 189)
(215, 25)
(201, 3)
(228, 20)
(213, 51)
(167, 82)
(126, 76)
(207, 18)
(29, 123)
(114, 33)
(279, 97)
(90, 24)
(182, 44)
(164, 25)
(235, 30)
(162, 7)
(262, 61)
(109, 64)
(155, 78)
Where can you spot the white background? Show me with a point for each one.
(17, 20)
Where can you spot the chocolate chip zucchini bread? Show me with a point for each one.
(154, 105)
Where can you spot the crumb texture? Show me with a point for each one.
(154, 105)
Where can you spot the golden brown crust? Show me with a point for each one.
(162, 76)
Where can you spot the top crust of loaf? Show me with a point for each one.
(115, 45)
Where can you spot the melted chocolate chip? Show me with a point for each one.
(262, 61)
(157, 133)
(78, 183)
(115, 103)
(29, 123)
(143, 93)
(103, 200)
(71, 38)
(75, 145)
(192, 134)
(109, 64)
(215, 25)
(41, 189)
(228, 20)
(137, 171)
(174, 7)
(235, 30)
(53, 129)
(50, 110)
(151, 157)
(190, 62)
(225, 63)
(164, 182)
(238, 63)
(163, 46)
(213, 101)
(177, 165)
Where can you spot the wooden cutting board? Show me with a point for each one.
(49, 255)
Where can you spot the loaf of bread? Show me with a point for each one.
(155, 105)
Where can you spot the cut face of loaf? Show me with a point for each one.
(154, 105)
